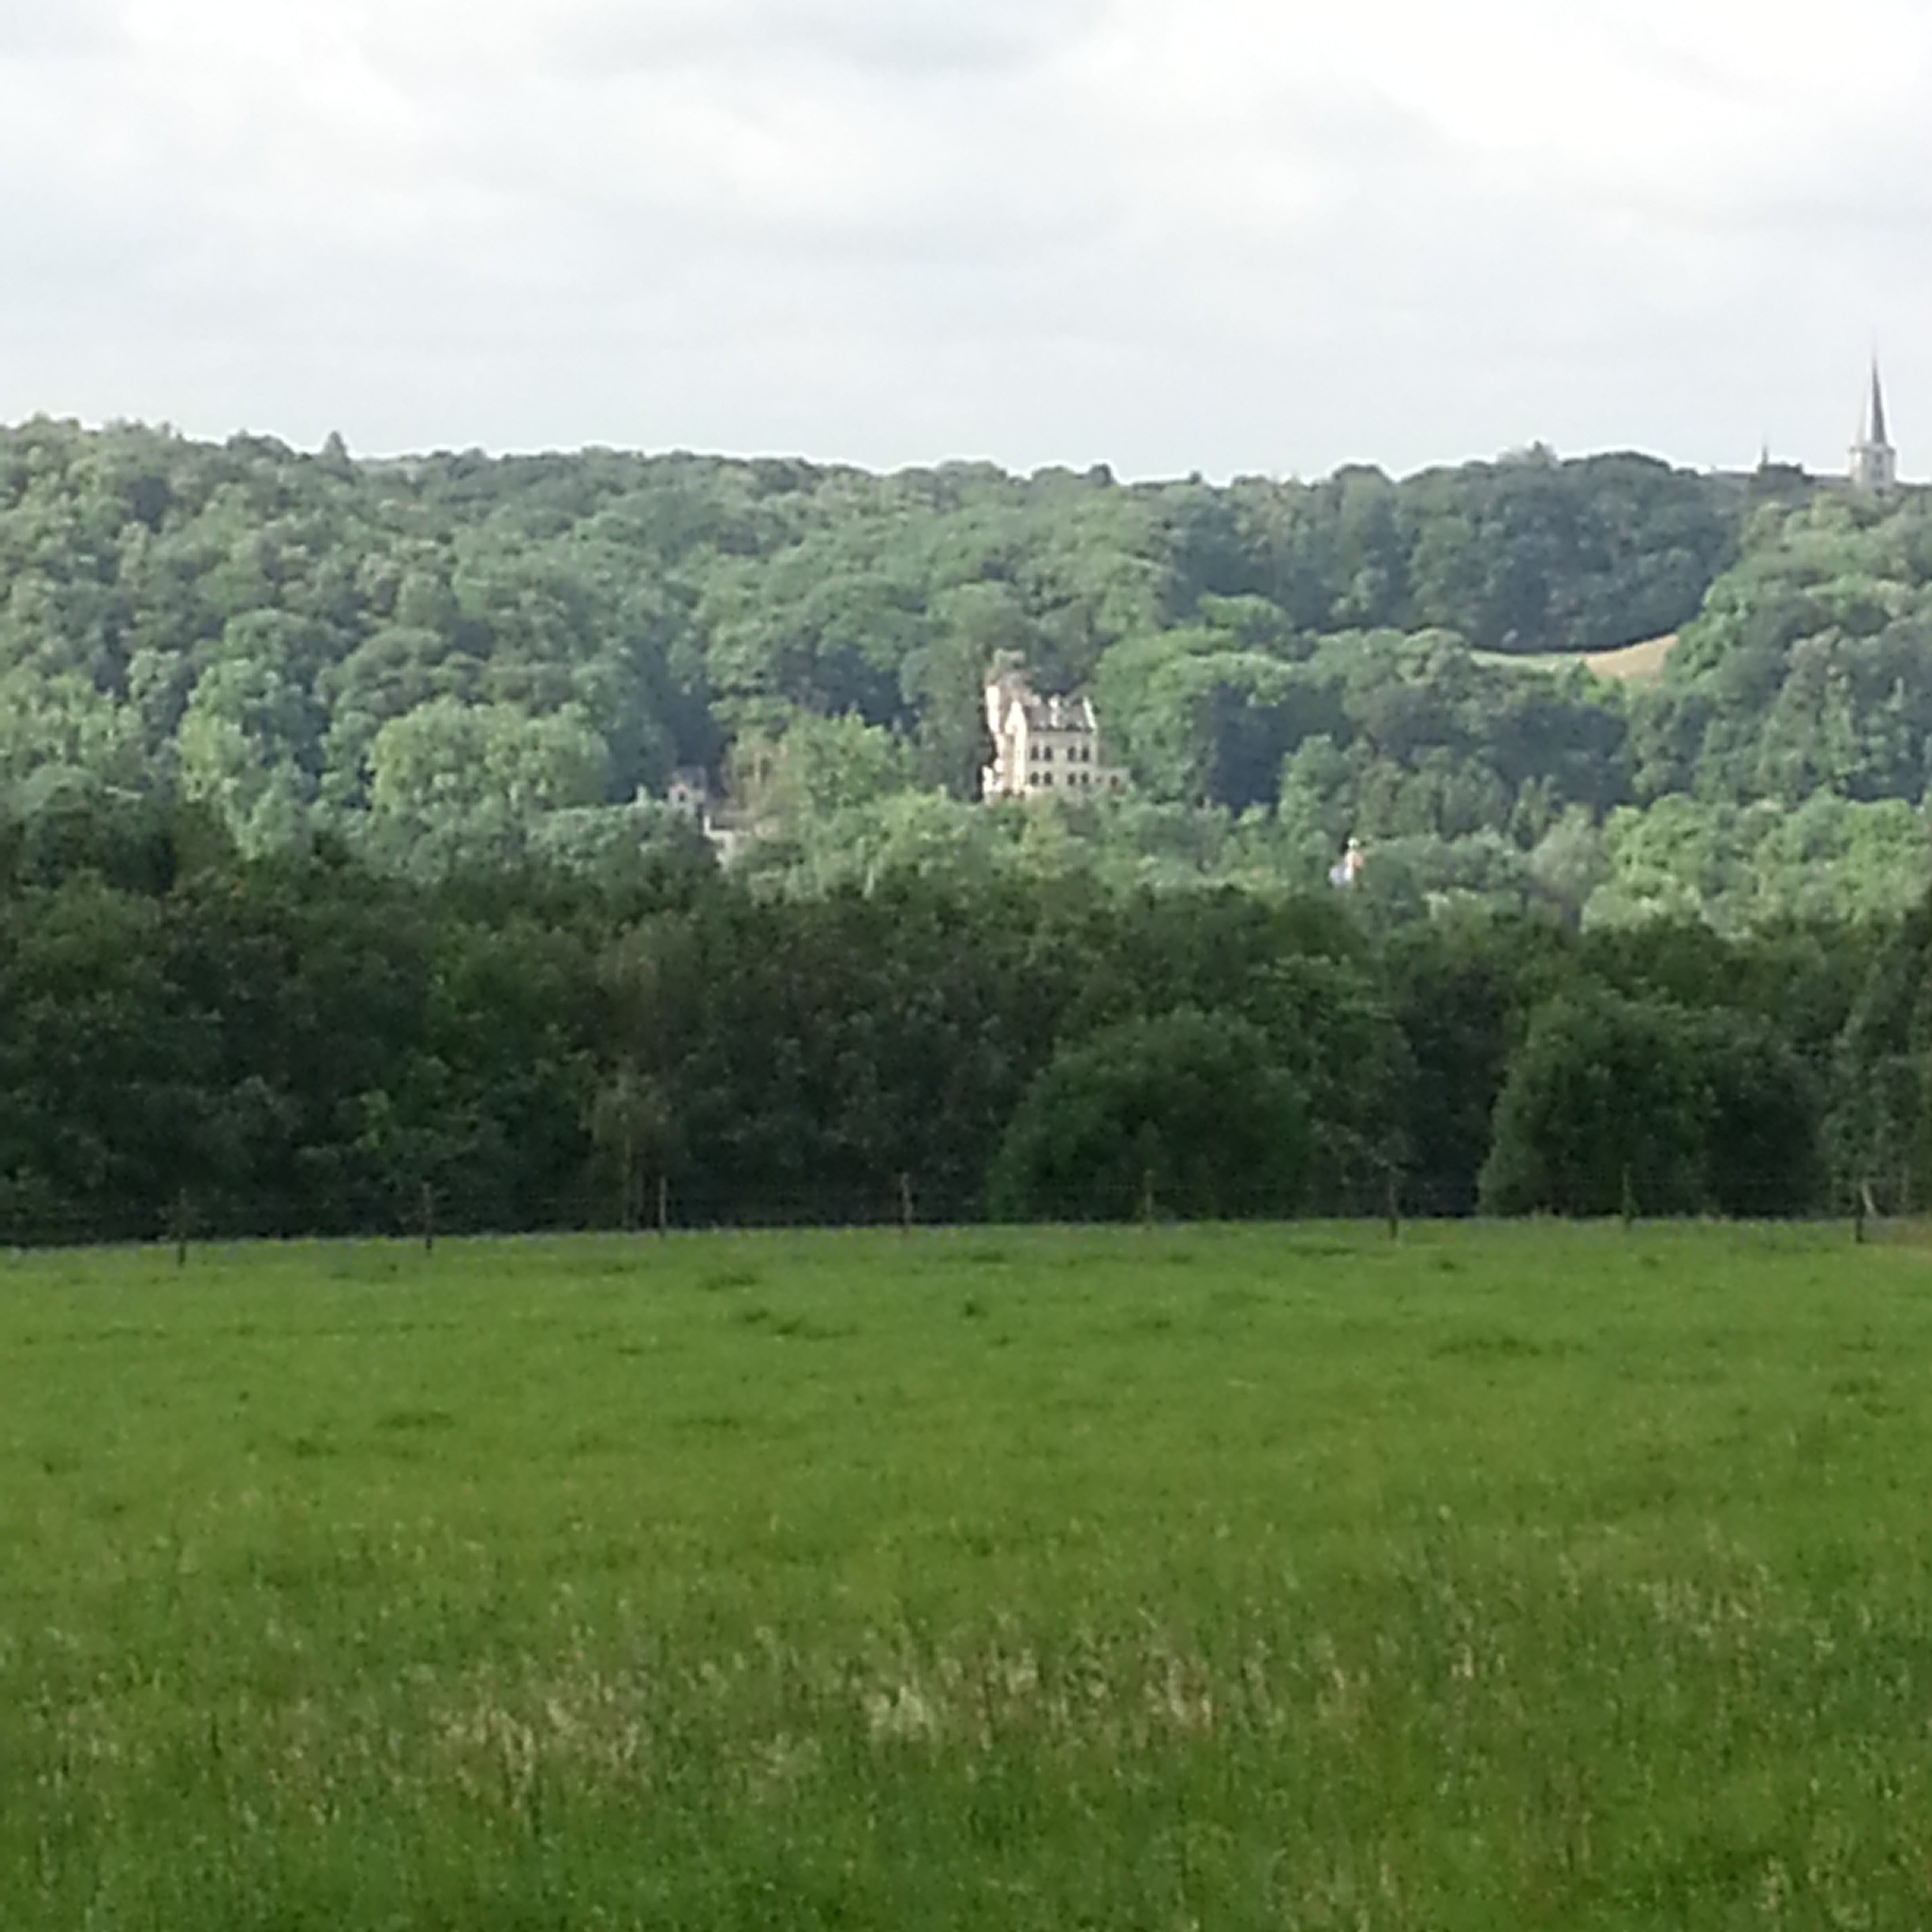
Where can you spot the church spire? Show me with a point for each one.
(1874, 463)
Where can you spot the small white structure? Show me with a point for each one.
(728, 827)
(1348, 869)
(689, 792)
(1042, 745)
(1874, 462)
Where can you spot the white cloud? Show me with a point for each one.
(895, 36)
(30, 29)
(1222, 234)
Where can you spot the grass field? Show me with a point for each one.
(1634, 664)
(1222, 1578)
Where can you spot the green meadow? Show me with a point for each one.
(1494, 1577)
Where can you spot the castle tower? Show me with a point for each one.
(1874, 462)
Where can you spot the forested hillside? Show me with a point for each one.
(336, 879)
(458, 661)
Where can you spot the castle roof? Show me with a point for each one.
(1057, 713)
(1053, 713)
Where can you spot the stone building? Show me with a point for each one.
(1042, 745)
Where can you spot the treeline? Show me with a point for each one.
(301, 1044)
(430, 656)
(458, 662)
(1775, 768)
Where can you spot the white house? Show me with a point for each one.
(1042, 745)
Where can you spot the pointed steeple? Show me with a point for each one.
(1874, 463)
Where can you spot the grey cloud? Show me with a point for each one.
(898, 36)
(849, 164)
(1005, 269)
(35, 27)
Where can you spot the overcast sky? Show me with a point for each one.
(1223, 235)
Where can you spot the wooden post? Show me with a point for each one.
(905, 1204)
(1147, 1197)
(1395, 1205)
(181, 1229)
(1630, 1199)
(663, 1203)
(428, 1218)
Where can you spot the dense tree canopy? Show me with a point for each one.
(301, 1043)
(455, 660)
(1614, 1104)
(337, 863)
(1184, 1113)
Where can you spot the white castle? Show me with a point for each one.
(1042, 744)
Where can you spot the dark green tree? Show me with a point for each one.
(1183, 1113)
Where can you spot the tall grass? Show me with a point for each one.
(1219, 1578)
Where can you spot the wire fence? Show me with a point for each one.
(427, 1213)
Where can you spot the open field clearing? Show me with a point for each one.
(1634, 664)
(1508, 1577)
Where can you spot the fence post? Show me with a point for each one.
(1395, 1205)
(181, 1229)
(664, 1204)
(905, 1204)
(428, 1218)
